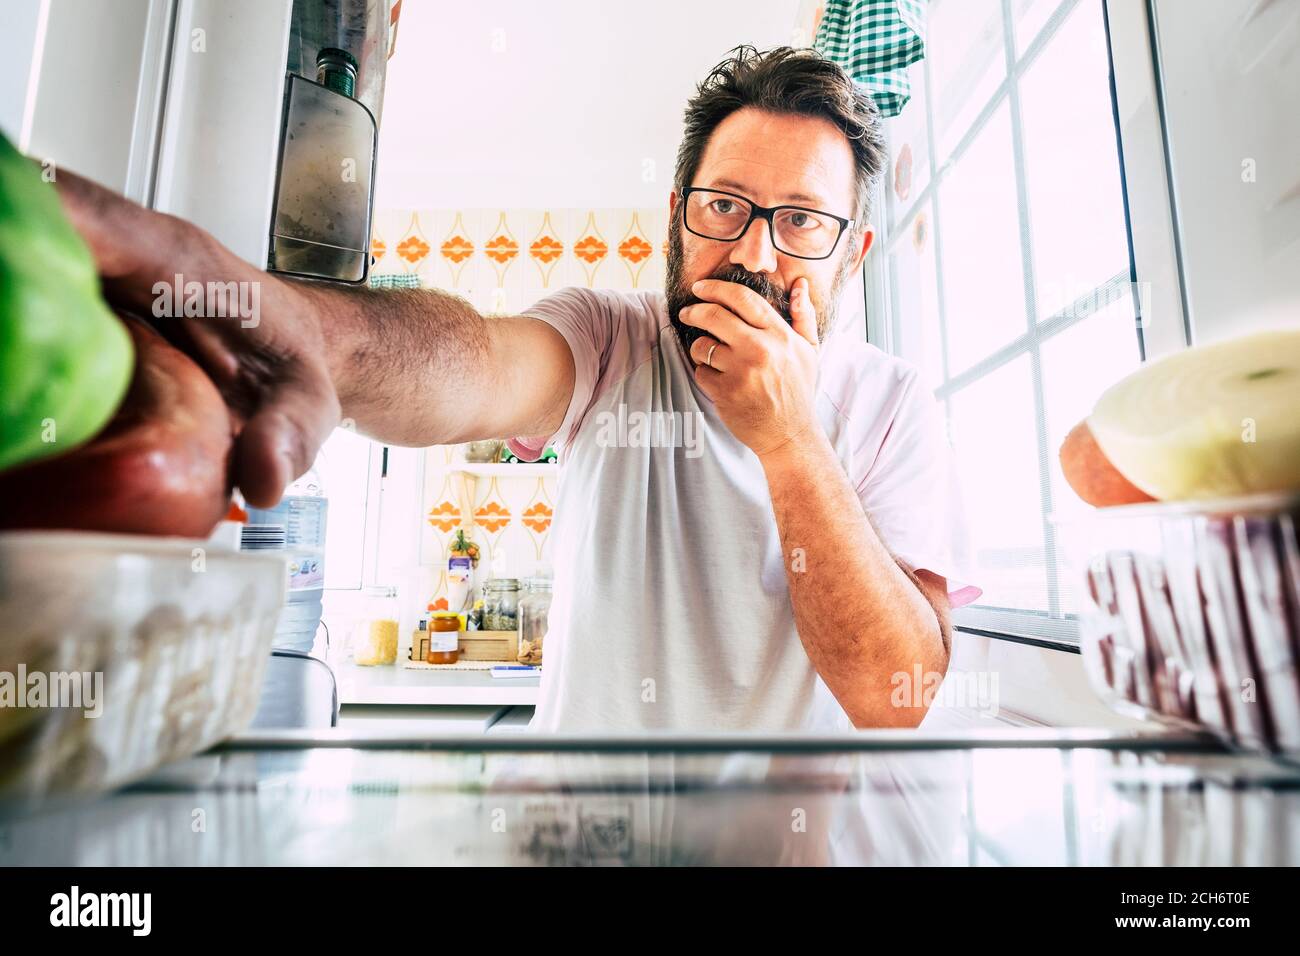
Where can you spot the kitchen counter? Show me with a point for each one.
(994, 797)
(394, 684)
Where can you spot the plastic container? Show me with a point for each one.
(178, 632)
(1192, 614)
(295, 527)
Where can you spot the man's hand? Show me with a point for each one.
(273, 375)
(759, 371)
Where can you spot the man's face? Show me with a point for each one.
(771, 159)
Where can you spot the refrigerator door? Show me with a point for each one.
(221, 132)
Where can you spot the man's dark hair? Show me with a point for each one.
(785, 80)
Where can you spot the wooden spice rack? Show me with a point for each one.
(500, 646)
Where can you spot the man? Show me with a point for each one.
(786, 568)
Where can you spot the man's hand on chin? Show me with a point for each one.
(759, 372)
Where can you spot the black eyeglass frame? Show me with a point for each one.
(764, 212)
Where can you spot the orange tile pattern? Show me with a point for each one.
(457, 249)
(444, 516)
(501, 249)
(590, 249)
(480, 254)
(413, 249)
(634, 249)
(538, 517)
(492, 517)
(546, 249)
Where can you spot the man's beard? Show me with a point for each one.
(678, 293)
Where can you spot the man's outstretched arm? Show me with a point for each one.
(408, 367)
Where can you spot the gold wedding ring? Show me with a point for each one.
(708, 359)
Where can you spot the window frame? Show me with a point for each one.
(1130, 80)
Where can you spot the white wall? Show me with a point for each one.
(518, 104)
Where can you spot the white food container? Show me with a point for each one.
(1192, 614)
(166, 638)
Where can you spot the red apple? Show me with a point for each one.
(161, 466)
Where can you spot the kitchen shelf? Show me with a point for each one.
(498, 470)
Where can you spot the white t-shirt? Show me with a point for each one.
(671, 610)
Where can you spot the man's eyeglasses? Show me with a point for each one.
(795, 230)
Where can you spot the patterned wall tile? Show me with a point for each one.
(592, 252)
(502, 261)
(458, 246)
(546, 247)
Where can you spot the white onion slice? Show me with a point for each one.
(1213, 421)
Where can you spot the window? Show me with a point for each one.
(1003, 271)
(348, 469)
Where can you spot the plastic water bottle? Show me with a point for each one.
(295, 526)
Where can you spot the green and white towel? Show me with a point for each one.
(394, 280)
(875, 41)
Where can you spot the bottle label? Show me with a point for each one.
(443, 640)
(298, 521)
(306, 571)
(295, 526)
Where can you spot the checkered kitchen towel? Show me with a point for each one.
(394, 280)
(875, 41)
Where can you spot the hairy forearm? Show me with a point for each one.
(411, 366)
(861, 619)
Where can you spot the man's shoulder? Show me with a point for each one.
(618, 330)
(643, 306)
(868, 387)
(851, 367)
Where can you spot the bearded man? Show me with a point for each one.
(778, 550)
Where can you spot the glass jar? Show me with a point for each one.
(485, 451)
(534, 607)
(501, 604)
(444, 638)
(374, 638)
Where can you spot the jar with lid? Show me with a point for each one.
(534, 608)
(374, 638)
(444, 638)
(501, 604)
